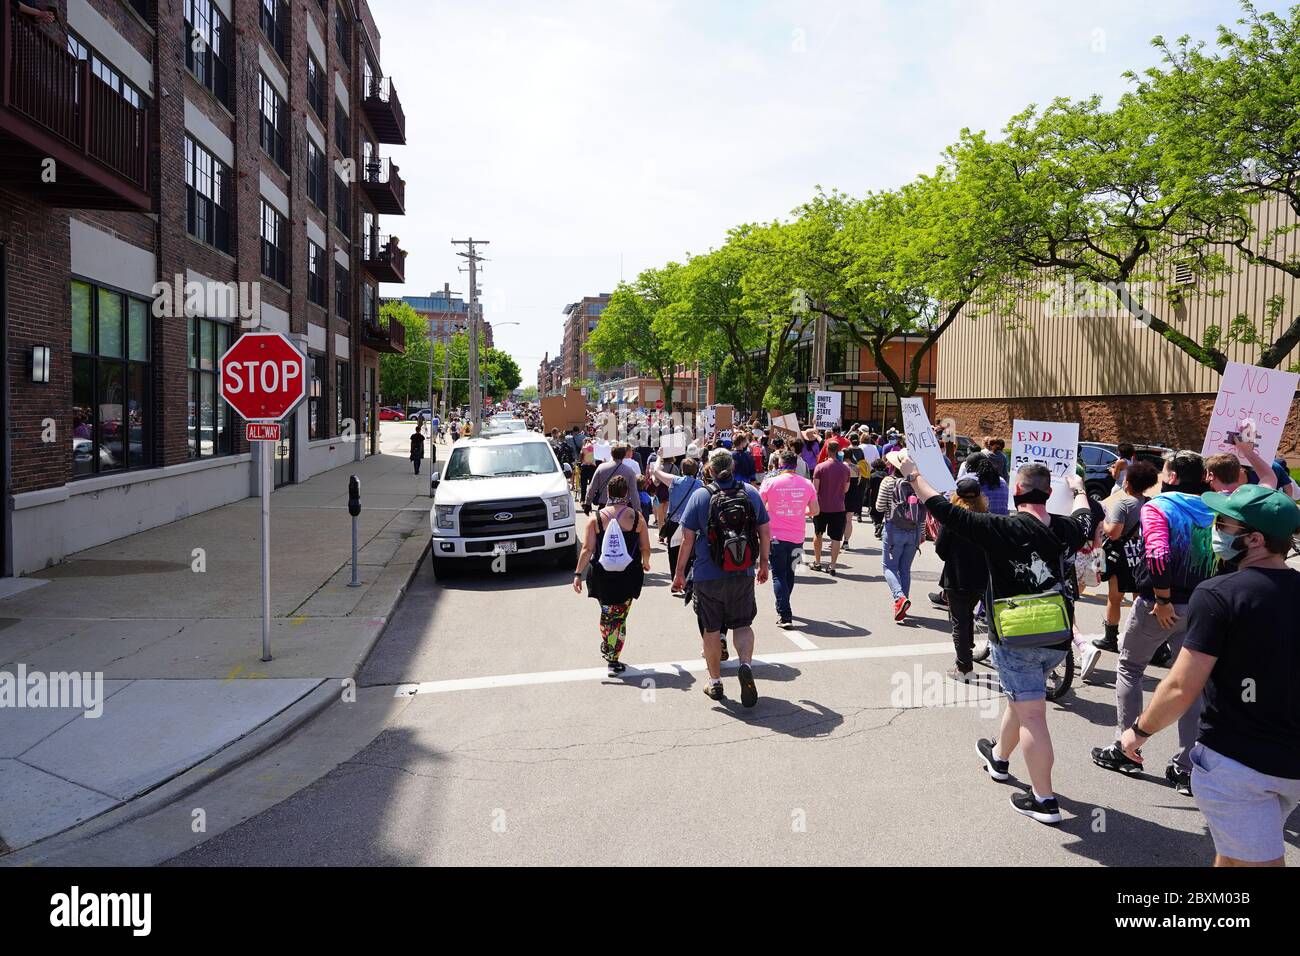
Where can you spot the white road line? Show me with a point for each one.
(667, 667)
(800, 640)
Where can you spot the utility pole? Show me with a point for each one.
(446, 356)
(817, 377)
(475, 388)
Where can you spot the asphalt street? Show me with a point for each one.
(506, 743)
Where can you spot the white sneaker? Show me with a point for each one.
(1088, 664)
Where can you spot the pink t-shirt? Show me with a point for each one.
(786, 496)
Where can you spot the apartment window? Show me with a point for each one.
(275, 18)
(207, 196)
(340, 127)
(342, 292)
(316, 86)
(99, 66)
(111, 378)
(211, 427)
(209, 47)
(342, 206)
(369, 303)
(316, 186)
(342, 34)
(316, 397)
(316, 274)
(275, 244)
(342, 394)
(275, 121)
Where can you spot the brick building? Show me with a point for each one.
(580, 321)
(865, 394)
(446, 315)
(176, 172)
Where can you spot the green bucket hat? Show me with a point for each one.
(1262, 509)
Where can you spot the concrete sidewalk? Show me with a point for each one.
(177, 640)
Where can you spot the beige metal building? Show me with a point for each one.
(1080, 356)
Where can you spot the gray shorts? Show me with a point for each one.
(727, 602)
(1245, 809)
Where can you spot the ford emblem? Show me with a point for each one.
(502, 516)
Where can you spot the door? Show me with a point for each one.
(285, 457)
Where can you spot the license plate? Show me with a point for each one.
(505, 547)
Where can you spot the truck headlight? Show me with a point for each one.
(445, 517)
(559, 507)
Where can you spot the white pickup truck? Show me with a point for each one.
(503, 494)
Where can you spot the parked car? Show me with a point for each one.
(1097, 457)
(418, 414)
(391, 415)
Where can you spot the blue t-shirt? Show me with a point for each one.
(696, 518)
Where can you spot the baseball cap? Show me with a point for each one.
(1262, 509)
(968, 488)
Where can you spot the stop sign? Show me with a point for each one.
(263, 376)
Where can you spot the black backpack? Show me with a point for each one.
(732, 527)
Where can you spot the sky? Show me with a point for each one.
(587, 141)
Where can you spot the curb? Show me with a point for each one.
(235, 753)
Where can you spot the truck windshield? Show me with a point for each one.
(495, 461)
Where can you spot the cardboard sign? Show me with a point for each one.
(923, 446)
(1054, 444)
(826, 413)
(1253, 401)
(724, 418)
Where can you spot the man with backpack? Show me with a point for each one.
(1031, 613)
(903, 530)
(727, 529)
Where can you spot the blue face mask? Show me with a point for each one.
(839, 456)
(1226, 545)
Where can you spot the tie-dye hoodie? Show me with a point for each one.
(1176, 535)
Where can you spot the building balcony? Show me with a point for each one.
(384, 259)
(384, 110)
(53, 108)
(382, 335)
(383, 187)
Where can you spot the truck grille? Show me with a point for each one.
(479, 520)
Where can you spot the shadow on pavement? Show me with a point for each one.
(795, 721)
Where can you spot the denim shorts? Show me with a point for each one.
(1022, 671)
(1246, 810)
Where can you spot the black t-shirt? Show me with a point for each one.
(1250, 622)
(852, 455)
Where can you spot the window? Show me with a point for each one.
(316, 175)
(316, 274)
(369, 303)
(342, 34)
(275, 244)
(342, 394)
(340, 127)
(316, 397)
(342, 292)
(342, 206)
(211, 427)
(207, 196)
(275, 121)
(83, 51)
(209, 47)
(316, 86)
(275, 18)
(111, 379)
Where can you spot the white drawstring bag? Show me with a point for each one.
(614, 555)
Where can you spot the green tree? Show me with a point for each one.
(529, 394)
(405, 376)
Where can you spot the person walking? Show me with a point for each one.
(417, 446)
(903, 520)
(616, 576)
(1239, 663)
(680, 488)
(859, 473)
(1030, 634)
(728, 531)
(831, 479)
(790, 501)
(879, 471)
(619, 464)
(964, 577)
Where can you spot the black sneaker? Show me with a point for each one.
(725, 653)
(939, 600)
(785, 623)
(617, 667)
(1044, 811)
(1112, 758)
(1163, 657)
(714, 691)
(1106, 644)
(997, 769)
(748, 690)
(831, 570)
(1180, 780)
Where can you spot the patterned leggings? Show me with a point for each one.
(613, 629)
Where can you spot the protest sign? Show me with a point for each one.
(784, 426)
(725, 417)
(826, 413)
(1054, 444)
(601, 451)
(1254, 402)
(672, 445)
(923, 446)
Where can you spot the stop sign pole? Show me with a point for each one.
(263, 377)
